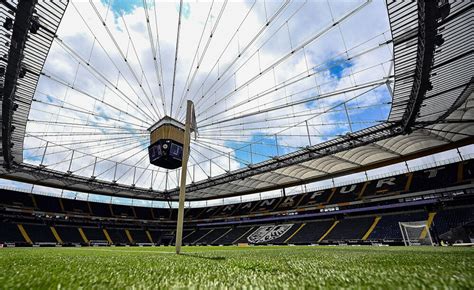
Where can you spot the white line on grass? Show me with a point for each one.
(118, 250)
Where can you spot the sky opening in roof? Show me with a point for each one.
(122, 7)
(268, 78)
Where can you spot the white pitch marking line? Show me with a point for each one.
(160, 252)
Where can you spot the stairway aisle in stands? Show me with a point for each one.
(311, 232)
(69, 235)
(350, 229)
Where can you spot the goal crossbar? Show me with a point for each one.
(415, 233)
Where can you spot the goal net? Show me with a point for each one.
(416, 233)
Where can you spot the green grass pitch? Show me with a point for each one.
(237, 267)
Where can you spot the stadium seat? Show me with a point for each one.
(75, 206)
(69, 235)
(212, 236)
(9, 233)
(195, 236)
(16, 198)
(311, 232)
(388, 228)
(40, 233)
(143, 213)
(118, 236)
(232, 236)
(100, 209)
(48, 203)
(448, 219)
(139, 236)
(350, 229)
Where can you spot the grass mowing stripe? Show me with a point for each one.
(238, 268)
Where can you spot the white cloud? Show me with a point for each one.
(114, 98)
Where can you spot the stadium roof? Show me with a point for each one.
(428, 82)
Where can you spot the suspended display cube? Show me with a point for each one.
(166, 143)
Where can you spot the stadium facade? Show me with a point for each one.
(359, 213)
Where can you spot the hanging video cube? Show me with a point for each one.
(166, 143)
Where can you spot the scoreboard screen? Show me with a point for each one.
(154, 152)
(176, 151)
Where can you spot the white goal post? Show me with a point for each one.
(416, 233)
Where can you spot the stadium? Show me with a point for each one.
(237, 144)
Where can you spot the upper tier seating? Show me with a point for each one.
(16, 198)
(122, 211)
(143, 213)
(438, 177)
(48, 203)
(100, 209)
(75, 206)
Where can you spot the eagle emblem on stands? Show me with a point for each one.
(265, 234)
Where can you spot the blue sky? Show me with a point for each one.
(336, 69)
(266, 147)
(378, 113)
(122, 6)
(33, 155)
(186, 10)
(101, 113)
(128, 6)
(49, 98)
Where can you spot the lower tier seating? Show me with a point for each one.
(448, 219)
(194, 237)
(213, 235)
(9, 233)
(350, 229)
(388, 227)
(233, 235)
(311, 232)
(69, 234)
(381, 227)
(40, 233)
(118, 236)
(94, 234)
(139, 236)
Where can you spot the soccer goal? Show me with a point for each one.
(416, 233)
